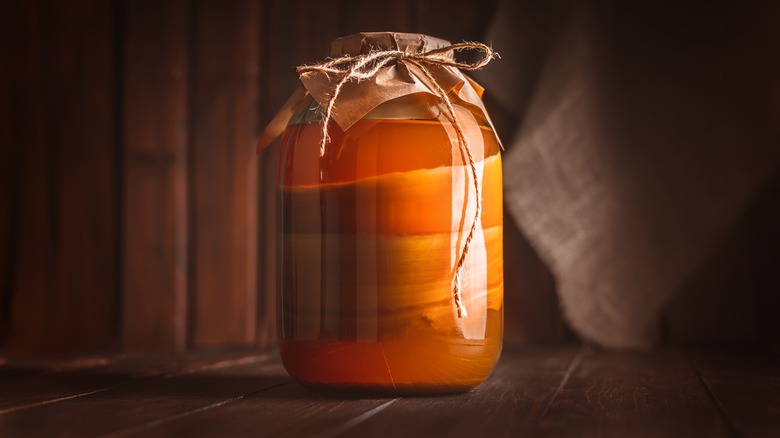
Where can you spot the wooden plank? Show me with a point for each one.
(266, 306)
(10, 149)
(18, 380)
(517, 393)
(534, 390)
(131, 408)
(507, 404)
(294, 33)
(224, 171)
(30, 384)
(154, 262)
(287, 410)
(64, 291)
(647, 393)
(746, 385)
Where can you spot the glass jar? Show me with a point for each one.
(369, 234)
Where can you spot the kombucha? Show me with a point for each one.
(369, 235)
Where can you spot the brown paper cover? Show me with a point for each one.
(358, 98)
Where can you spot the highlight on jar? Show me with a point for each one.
(390, 229)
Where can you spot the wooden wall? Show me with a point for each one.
(62, 171)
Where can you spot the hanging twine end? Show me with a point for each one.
(458, 298)
(325, 140)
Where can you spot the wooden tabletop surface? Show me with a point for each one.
(539, 390)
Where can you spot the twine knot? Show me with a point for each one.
(364, 66)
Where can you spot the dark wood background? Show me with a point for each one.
(134, 214)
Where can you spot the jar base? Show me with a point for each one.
(397, 367)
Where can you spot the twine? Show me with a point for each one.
(365, 66)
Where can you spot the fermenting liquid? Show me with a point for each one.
(369, 237)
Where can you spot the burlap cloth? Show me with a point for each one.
(637, 145)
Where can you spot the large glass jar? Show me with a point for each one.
(369, 236)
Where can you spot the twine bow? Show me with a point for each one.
(365, 66)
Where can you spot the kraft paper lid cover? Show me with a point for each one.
(398, 79)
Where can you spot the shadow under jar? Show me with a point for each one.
(369, 237)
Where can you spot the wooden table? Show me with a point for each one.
(553, 390)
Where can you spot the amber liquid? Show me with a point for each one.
(369, 237)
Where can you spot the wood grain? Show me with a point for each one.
(224, 196)
(540, 391)
(745, 385)
(652, 393)
(155, 201)
(507, 404)
(10, 149)
(287, 410)
(63, 293)
(30, 385)
(140, 404)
